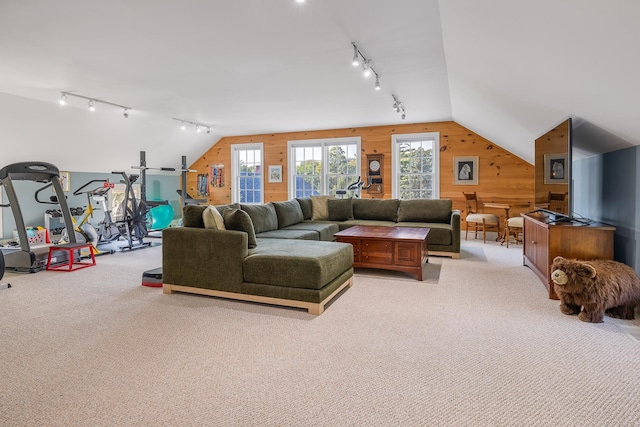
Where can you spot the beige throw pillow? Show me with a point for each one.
(212, 219)
(320, 208)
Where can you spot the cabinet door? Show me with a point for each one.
(407, 253)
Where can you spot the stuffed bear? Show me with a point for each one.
(592, 288)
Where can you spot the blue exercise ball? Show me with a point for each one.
(160, 217)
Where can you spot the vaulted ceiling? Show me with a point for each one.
(508, 70)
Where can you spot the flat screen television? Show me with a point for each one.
(553, 171)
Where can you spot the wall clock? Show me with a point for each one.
(375, 171)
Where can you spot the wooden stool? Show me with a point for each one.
(71, 248)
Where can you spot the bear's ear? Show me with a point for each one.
(587, 270)
(558, 259)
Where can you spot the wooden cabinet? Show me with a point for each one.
(545, 239)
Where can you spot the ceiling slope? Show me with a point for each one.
(256, 66)
(517, 69)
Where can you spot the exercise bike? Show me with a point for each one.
(357, 187)
(107, 230)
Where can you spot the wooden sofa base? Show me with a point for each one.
(452, 255)
(313, 308)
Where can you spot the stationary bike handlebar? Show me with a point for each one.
(106, 186)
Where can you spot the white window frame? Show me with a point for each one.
(235, 149)
(396, 139)
(324, 143)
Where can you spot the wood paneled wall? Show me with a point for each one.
(503, 177)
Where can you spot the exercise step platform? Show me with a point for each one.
(71, 264)
(152, 278)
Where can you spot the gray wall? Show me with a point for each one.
(605, 188)
(159, 187)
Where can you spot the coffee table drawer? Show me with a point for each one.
(377, 251)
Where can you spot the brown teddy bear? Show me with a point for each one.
(595, 287)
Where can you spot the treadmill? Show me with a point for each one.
(25, 259)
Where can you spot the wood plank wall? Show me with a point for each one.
(503, 177)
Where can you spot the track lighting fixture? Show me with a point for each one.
(92, 102)
(199, 127)
(367, 69)
(398, 107)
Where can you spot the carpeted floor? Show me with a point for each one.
(477, 343)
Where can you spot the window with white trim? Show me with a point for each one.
(323, 166)
(415, 165)
(246, 169)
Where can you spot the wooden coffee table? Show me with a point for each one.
(387, 248)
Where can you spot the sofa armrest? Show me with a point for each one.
(204, 258)
(455, 230)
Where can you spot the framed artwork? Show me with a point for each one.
(64, 181)
(275, 173)
(555, 168)
(465, 170)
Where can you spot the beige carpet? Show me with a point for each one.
(476, 344)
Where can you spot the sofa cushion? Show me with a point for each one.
(298, 264)
(287, 233)
(351, 222)
(326, 230)
(306, 206)
(425, 210)
(288, 213)
(340, 209)
(439, 233)
(222, 208)
(320, 208)
(376, 209)
(239, 220)
(264, 217)
(213, 219)
(192, 216)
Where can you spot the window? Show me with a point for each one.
(246, 169)
(415, 166)
(323, 166)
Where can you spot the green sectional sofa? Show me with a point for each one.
(284, 253)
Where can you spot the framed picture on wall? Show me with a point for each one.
(555, 168)
(64, 181)
(275, 173)
(465, 170)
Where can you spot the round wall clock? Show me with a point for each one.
(374, 166)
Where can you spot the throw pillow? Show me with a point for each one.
(320, 208)
(340, 209)
(305, 205)
(239, 220)
(213, 219)
(192, 216)
(264, 217)
(289, 213)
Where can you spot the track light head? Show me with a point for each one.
(92, 106)
(366, 68)
(183, 126)
(208, 129)
(403, 116)
(377, 82)
(356, 58)
(198, 128)
(63, 99)
(126, 113)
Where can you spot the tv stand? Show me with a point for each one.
(546, 237)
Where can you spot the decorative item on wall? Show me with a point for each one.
(465, 170)
(65, 181)
(555, 168)
(203, 184)
(374, 170)
(275, 173)
(217, 175)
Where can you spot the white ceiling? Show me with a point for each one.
(508, 70)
